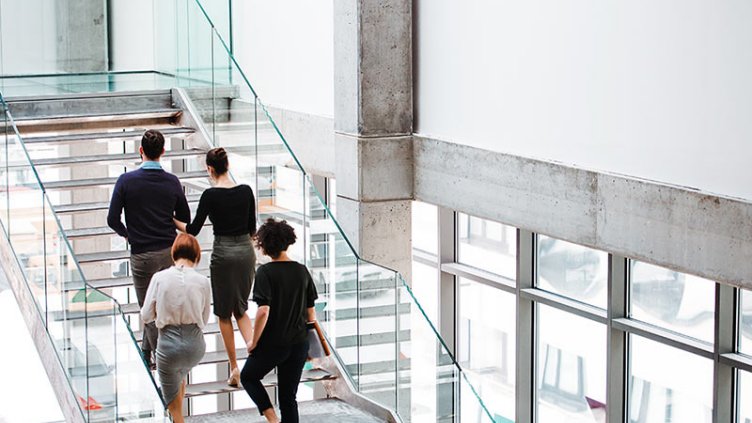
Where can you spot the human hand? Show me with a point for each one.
(251, 346)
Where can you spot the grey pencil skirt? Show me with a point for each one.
(233, 266)
(179, 349)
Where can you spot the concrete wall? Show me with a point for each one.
(658, 90)
(685, 230)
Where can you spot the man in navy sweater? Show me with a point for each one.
(151, 198)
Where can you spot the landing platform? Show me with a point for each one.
(320, 411)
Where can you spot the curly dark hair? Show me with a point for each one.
(274, 236)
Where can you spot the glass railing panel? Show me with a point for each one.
(67, 320)
(26, 223)
(137, 397)
(102, 374)
(334, 268)
(471, 409)
(376, 306)
(7, 128)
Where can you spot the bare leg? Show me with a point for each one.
(246, 327)
(228, 337)
(271, 415)
(176, 406)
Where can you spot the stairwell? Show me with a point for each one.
(79, 145)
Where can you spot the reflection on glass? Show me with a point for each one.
(662, 390)
(425, 227)
(571, 368)
(487, 347)
(743, 394)
(745, 322)
(488, 245)
(672, 300)
(572, 270)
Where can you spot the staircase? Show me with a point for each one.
(61, 157)
(79, 146)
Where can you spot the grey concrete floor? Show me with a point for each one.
(330, 410)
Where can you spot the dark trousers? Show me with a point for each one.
(143, 267)
(289, 361)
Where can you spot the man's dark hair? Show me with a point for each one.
(274, 236)
(153, 144)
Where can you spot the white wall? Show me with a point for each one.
(28, 37)
(286, 48)
(132, 35)
(659, 90)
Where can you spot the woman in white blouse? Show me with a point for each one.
(179, 300)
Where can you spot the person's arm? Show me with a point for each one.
(252, 214)
(311, 296)
(207, 301)
(149, 310)
(194, 227)
(116, 209)
(182, 211)
(262, 316)
(262, 295)
(311, 314)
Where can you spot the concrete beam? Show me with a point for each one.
(671, 226)
(82, 36)
(380, 231)
(374, 169)
(373, 72)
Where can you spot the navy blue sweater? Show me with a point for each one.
(151, 198)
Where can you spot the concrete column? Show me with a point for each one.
(81, 36)
(373, 119)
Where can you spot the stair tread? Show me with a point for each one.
(101, 230)
(114, 255)
(219, 387)
(137, 134)
(78, 183)
(104, 205)
(140, 114)
(114, 157)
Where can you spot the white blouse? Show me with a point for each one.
(177, 296)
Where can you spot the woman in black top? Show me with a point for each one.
(232, 210)
(285, 294)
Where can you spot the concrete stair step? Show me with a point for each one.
(95, 182)
(116, 255)
(107, 117)
(221, 387)
(119, 157)
(128, 135)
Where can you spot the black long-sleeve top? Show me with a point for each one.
(231, 210)
(150, 197)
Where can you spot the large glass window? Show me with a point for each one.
(573, 271)
(488, 245)
(745, 323)
(744, 393)
(668, 385)
(425, 219)
(426, 289)
(672, 300)
(571, 368)
(487, 344)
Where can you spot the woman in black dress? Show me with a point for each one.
(232, 210)
(285, 294)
